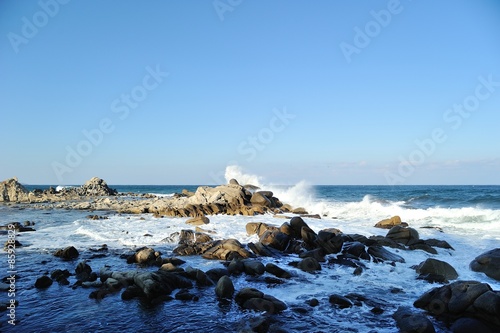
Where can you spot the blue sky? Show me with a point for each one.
(172, 92)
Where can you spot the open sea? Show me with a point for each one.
(467, 217)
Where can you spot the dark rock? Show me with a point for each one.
(236, 267)
(131, 292)
(312, 302)
(43, 282)
(385, 255)
(437, 268)
(216, 273)
(438, 243)
(277, 271)
(263, 250)
(488, 263)
(185, 295)
(463, 299)
(253, 267)
(199, 276)
(275, 239)
(317, 254)
(468, 325)
(340, 301)
(356, 249)
(403, 235)
(330, 240)
(308, 236)
(68, 253)
(297, 223)
(253, 299)
(411, 321)
(421, 245)
(83, 271)
(309, 265)
(224, 288)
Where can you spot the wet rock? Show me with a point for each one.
(403, 235)
(383, 254)
(185, 295)
(488, 263)
(437, 268)
(253, 299)
(131, 292)
(199, 276)
(389, 223)
(275, 239)
(156, 284)
(468, 325)
(200, 220)
(83, 271)
(308, 236)
(145, 256)
(330, 240)
(340, 301)
(68, 253)
(355, 249)
(227, 249)
(253, 267)
(296, 224)
(259, 228)
(309, 265)
(225, 287)
(61, 276)
(411, 321)
(421, 245)
(258, 198)
(216, 273)
(463, 299)
(438, 243)
(43, 282)
(277, 271)
(264, 250)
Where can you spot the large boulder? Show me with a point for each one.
(96, 187)
(434, 269)
(12, 190)
(231, 194)
(253, 299)
(488, 263)
(68, 253)
(410, 321)
(225, 287)
(463, 299)
(403, 235)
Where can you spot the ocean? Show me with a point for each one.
(467, 217)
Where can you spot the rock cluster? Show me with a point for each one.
(12, 191)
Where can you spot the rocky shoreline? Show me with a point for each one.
(463, 306)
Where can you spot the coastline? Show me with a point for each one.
(304, 253)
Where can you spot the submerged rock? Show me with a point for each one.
(43, 282)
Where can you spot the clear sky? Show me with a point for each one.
(172, 92)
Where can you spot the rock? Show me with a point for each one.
(253, 267)
(145, 256)
(389, 223)
(438, 243)
(296, 223)
(308, 236)
(309, 265)
(421, 245)
(259, 228)
(43, 282)
(68, 253)
(263, 250)
(216, 273)
(300, 211)
(96, 187)
(225, 287)
(258, 198)
(277, 271)
(275, 239)
(233, 182)
(226, 249)
(61, 276)
(381, 253)
(436, 267)
(201, 278)
(12, 191)
(16, 244)
(356, 249)
(200, 220)
(185, 295)
(83, 271)
(468, 325)
(160, 283)
(340, 301)
(463, 299)
(410, 321)
(403, 235)
(253, 299)
(330, 240)
(488, 263)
